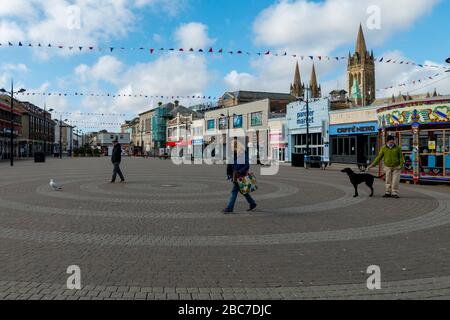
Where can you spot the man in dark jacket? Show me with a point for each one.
(116, 158)
(239, 168)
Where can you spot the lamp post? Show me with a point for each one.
(307, 127)
(60, 136)
(228, 117)
(12, 118)
(45, 127)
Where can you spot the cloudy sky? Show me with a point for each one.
(414, 30)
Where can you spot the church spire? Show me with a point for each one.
(315, 89)
(297, 87)
(361, 47)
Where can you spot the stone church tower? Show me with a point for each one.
(316, 90)
(297, 88)
(361, 73)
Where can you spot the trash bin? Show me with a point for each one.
(39, 157)
(298, 160)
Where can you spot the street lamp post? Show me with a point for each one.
(60, 135)
(307, 127)
(45, 127)
(12, 118)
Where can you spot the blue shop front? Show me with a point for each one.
(318, 128)
(354, 143)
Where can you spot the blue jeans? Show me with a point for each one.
(234, 194)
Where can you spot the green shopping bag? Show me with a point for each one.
(247, 183)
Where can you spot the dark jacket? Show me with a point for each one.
(116, 154)
(240, 169)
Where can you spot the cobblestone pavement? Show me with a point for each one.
(162, 235)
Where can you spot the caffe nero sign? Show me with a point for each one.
(354, 128)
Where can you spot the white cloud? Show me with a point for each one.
(171, 74)
(107, 68)
(193, 35)
(321, 27)
(78, 22)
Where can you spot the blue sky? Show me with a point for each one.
(409, 29)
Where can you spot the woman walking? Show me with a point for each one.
(239, 168)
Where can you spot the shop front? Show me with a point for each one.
(422, 129)
(354, 143)
(318, 119)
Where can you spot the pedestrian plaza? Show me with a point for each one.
(162, 235)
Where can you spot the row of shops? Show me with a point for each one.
(354, 136)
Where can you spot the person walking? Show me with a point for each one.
(239, 168)
(393, 164)
(116, 158)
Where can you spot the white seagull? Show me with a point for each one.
(54, 186)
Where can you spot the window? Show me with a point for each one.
(237, 121)
(211, 124)
(256, 119)
(223, 123)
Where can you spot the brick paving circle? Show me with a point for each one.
(161, 235)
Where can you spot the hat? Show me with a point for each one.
(390, 138)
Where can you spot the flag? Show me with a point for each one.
(111, 49)
(311, 57)
(221, 51)
(267, 53)
(381, 60)
(210, 50)
(20, 44)
(10, 44)
(181, 49)
(151, 51)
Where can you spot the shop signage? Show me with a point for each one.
(354, 128)
(297, 115)
(422, 114)
(197, 142)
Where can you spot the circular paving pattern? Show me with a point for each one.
(308, 237)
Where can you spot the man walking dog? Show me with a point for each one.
(393, 164)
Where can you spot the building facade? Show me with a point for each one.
(5, 129)
(248, 119)
(38, 133)
(422, 129)
(318, 118)
(354, 135)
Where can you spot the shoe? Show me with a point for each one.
(387, 195)
(122, 181)
(112, 182)
(252, 207)
(227, 211)
(395, 196)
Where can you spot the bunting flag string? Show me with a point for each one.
(81, 94)
(152, 51)
(220, 51)
(412, 82)
(93, 114)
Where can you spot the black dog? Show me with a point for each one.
(358, 178)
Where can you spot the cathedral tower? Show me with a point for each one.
(316, 90)
(297, 88)
(361, 73)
